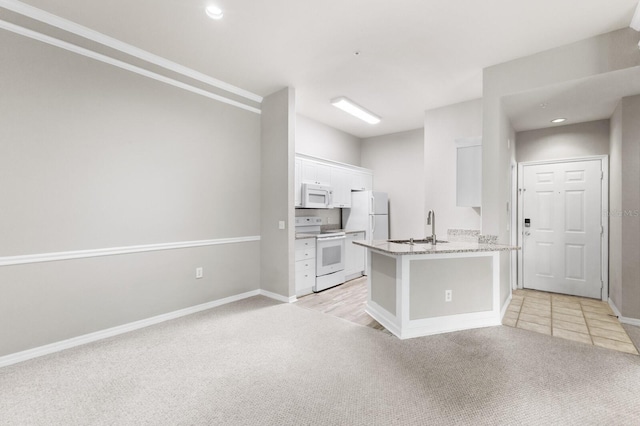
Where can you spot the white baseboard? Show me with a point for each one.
(429, 326)
(278, 297)
(385, 319)
(121, 329)
(624, 320)
(448, 324)
(505, 307)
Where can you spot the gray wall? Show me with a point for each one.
(442, 127)
(470, 280)
(277, 263)
(319, 140)
(97, 157)
(383, 281)
(624, 218)
(574, 140)
(398, 169)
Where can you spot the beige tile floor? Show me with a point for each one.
(583, 320)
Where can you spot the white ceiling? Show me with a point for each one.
(590, 99)
(415, 55)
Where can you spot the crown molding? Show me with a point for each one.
(103, 39)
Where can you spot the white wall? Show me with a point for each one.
(442, 127)
(96, 157)
(397, 164)
(570, 141)
(319, 140)
(615, 205)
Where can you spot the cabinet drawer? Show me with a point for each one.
(306, 264)
(305, 279)
(305, 254)
(305, 243)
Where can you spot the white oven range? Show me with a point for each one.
(329, 252)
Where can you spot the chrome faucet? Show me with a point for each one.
(431, 220)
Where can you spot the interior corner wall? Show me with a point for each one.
(96, 157)
(560, 142)
(278, 123)
(630, 200)
(615, 206)
(398, 170)
(319, 140)
(442, 126)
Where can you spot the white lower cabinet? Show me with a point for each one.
(305, 266)
(354, 256)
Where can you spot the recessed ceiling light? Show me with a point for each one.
(214, 12)
(356, 110)
(558, 120)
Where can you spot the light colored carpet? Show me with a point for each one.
(634, 334)
(258, 362)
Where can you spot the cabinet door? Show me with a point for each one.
(349, 255)
(359, 253)
(469, 176)
(361, 181)
(315, 173)
(354, 256)
(298, 183)
(341, 184)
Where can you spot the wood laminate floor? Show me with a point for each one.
(346, 301)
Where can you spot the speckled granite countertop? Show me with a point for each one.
(440, 248)
(303, 235)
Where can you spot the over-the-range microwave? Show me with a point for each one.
(317, 196)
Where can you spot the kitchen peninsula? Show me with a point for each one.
(421, 289)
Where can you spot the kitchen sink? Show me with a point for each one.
(415, 241)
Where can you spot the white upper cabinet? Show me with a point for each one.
(343, 178)
(362, 181)
(316, 173)
(469, 172)
(341, 184)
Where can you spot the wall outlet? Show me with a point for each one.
(448, 295)
(199, 273)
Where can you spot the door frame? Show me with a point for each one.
(604, 219)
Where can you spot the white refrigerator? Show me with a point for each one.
(369, 212)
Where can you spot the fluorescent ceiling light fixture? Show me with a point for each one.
(356, 110)
(635, 21)
(558, 120)
(214, 12)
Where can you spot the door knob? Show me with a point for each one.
(527, 233)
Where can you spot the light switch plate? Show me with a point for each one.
(281, 224)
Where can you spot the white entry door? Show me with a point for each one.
(562, 227)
